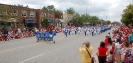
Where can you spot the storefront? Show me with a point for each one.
(30, 22)
(50, 22)
(11, 22)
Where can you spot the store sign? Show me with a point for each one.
(50, 21)
(27, 21)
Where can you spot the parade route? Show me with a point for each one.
(65, 49)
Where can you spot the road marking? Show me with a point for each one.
(24, 46)
(29, 45)
(31, 58)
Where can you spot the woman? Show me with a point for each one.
(85, 56)
(117, 51)
(127, 53)
(106, 41)
(102, 52)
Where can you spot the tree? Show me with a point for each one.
(58, 11)
(94, 20)
(27, 6)
(108, 21)
(116, 22)
(50, 8)
(77, 19)
(44, 8)
(70, 11)
(19, 5)
(4, 14)
(45, 22)
(127, 16)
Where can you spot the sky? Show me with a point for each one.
(104, 9)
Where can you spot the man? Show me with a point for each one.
(66, 31)
(109, 39)
(38, 35)
(131, 39)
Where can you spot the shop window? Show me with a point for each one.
(24, 13)
(32, 14)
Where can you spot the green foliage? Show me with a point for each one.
(108, 22)
(4, 14)
(85, 19)
(116, 22)
(127, 16)
(58, 11)
(19, 5)
(70, 11)
(45, 22)
(45, 8)
(94, 20)
(76, 20)
(51, 8)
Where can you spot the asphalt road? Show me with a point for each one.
(65, 50)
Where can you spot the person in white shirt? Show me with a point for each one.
(117, 51)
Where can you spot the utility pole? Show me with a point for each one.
(106, 18)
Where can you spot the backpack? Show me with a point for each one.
(128, 56)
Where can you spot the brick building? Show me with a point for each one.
(28, 17)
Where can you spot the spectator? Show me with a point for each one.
(110, 57)
(102, 52)
(1, 39)
(113, 47)
(127, 53)
(117, 51)
(131, 39)
(109, 39)
(106, 41)
(85, 56)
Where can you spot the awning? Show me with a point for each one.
(27, 21)
(12, 20)
(50, 21)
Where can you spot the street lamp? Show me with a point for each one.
(86, 12)
(86, 9)
(106, 18)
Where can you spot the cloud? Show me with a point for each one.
(101, 8)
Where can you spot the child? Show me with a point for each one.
(110, 58)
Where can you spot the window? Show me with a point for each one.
(43, 14)
(5, 12)
(14, 12)
(24, 13)
(32, 14)
(50, 15)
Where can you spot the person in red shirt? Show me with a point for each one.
(113, 50)
(125, 37)
(113, 47)
(106, 41)
(1, 39)
(102, 53)
(50, 28)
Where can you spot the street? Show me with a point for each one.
(65, 49)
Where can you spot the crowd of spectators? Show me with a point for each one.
(15, 33)
(117, 48)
